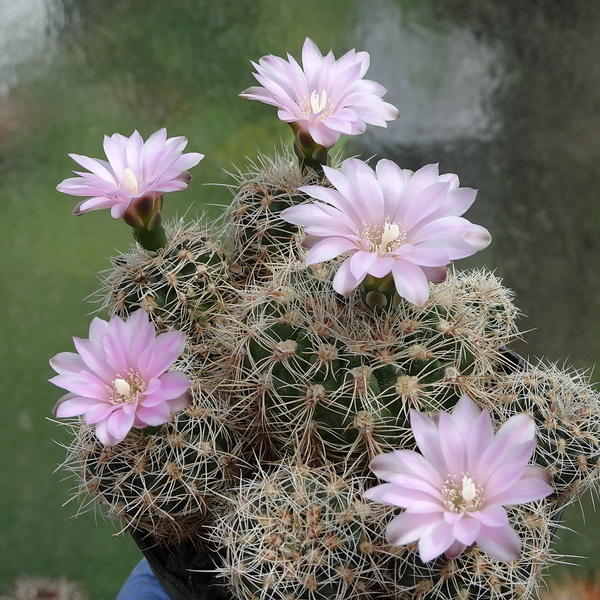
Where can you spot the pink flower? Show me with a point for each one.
(119, 377)
(135, 169)
(390, 221)
(454, 493)
(325, 97)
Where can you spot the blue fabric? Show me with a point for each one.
(142, 585)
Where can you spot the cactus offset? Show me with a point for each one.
(179, 286)
(164, 482)
(298, 532)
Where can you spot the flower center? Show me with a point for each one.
(130, 180)
(386, 240)
(317, 105)
(127, 391)
(463, 497)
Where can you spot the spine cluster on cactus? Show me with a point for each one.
(296, 389)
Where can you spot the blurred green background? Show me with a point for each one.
(506, 94)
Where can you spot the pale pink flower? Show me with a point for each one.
(325, 97)
(455, 491)
(390, 221)
(119, 378)
(135, 169)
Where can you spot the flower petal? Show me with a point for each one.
(502, 543)
(406, 528)
(435, 540)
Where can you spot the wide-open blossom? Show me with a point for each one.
(118, 379)
(325, 97)
(135, 169)
(455, 491)
(390, 220)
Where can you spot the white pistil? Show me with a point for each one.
(463, 497)
(469, 491)
(391, 232)
(127, 391)
(130, 180)
(318, 105)
(318, 102)
(388, 240)
(122, 387)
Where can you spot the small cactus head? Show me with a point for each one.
(162, 481)
(180, 287)
(303, 533)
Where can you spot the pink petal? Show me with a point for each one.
(508, 473)
(329, 248)
(323, 135)
(382, 266)
(67, 362)
(155, 415)
(493, 515)
(426, 257)
(73, 406)
(406, 467)
(118, 424)
(455, 550)
(183, 401)
(104, 436)
(406, 528)
(167, 347)
(465, 416)
(410, 282)
(501, 543)
(466, 530)
(344, 282)
(503, 455)
(435, 540)
(82, 384)
(519, 428)
(100, 168)
(523, 491)
(173, 384)
(452, 444)
(99, 411)
(361, 262)
(427, 436)
(396, 495)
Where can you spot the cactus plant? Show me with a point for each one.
(305, 366)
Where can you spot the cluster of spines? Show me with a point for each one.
(567, 414)
(38, 588)
(320, 384)
(474, 575)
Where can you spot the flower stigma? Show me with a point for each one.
(127, 391)
(462, 498)
(388, 240)
(317, 105)
(130, 180)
